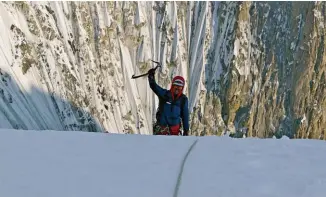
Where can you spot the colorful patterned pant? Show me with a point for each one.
(165, 130)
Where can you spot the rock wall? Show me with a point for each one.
(252, 68)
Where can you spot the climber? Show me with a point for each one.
(173, 107)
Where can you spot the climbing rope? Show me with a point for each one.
(177, 186)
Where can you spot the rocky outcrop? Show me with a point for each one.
(252, 68)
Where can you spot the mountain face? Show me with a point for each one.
(253, 68)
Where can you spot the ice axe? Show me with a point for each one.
(135, 77)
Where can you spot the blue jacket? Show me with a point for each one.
(170, 112)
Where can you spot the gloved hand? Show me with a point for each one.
(151, 73)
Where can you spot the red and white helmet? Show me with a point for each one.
(177, 81)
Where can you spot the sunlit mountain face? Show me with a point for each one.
(251, 68)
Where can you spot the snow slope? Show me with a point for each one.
(67, 164)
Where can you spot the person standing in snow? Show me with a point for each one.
(173, 107)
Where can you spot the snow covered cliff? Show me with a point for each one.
(252, 67)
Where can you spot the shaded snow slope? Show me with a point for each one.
(65, 164)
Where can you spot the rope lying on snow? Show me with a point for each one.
(177, 186)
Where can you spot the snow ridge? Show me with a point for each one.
(87, 164)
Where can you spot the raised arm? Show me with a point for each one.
(160, 92)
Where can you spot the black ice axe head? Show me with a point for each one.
(135, 77)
